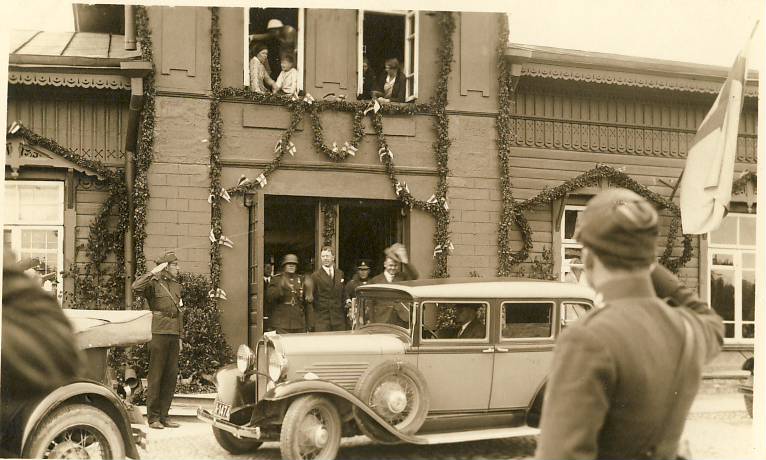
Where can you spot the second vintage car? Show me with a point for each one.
(427, 362)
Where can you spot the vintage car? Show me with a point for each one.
(747, 388)
(409, 371)
(92, 416)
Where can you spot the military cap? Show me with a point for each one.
(620, 223)
(363, 265)
(289, 259)
(168, 257)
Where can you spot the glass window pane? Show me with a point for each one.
(11, 203)
(748, 331)
(570, 222)
(747, 231)
(527, 320)
(721, 258)
(572, 312)
(722, 293)
(728, 332)
(726, 233)
(748, 260)
(748, 295)
(454, 321)
(7, 240)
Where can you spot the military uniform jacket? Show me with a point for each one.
(350, 289)
(285, 300)
(163, 293)
(329, 308)
(613, 375)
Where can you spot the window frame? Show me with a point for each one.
(737, 251)
(567, 243)
(501, 324)
(300, 49)
(16, 227)
(487, 320)
(410, 61)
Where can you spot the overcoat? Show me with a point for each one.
(329, 303)
(611, 392)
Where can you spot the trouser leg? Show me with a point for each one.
(169, 376)
(157, 359)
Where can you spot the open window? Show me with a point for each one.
(454, 321)
(281, 30)
(571, 251)
(526, 320)
(385, 35)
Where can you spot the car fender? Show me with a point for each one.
(291, 389)
(536, 405)
(88, 391)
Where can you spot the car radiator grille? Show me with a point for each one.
(342, 374)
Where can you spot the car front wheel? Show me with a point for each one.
(311, 429)
(233, 444)
(76, 431)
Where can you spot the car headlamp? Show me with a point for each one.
(277, 362)
(245, 358)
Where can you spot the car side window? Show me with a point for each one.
(527, 320)
(572, 312)
(454, 321)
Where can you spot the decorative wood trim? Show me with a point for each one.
(611, 77)
(17, 77)
(623, 138)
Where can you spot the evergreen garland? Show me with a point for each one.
(215, 132)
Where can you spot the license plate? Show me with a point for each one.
(222, 410)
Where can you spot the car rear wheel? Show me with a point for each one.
(311, 429)
(76, 431)
(397, 392)
(233, 444)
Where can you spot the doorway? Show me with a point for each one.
(365, 229)
(289, 227)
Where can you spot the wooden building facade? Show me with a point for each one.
(571, 111)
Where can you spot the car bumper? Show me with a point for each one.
(251, 432)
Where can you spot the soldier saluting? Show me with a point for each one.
(289, 298)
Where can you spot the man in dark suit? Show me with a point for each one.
(396, 268)
(470, 327)
(329, 308)
(624, 377)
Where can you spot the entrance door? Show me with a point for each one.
(365, 229)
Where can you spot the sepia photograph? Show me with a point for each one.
(293, 229)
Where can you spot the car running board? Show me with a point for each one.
(475, 435)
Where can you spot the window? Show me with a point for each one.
(571, 250)
(731, 275)
(572, 312)
(526, 320)
(450, 320)
(34, 227)
(282, 31)
(385, 35)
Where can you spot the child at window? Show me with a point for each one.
(287, 82)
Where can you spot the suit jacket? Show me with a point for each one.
(329, 307)
(613, 375)
(387, 313)
(475, 330)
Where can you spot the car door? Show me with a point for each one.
(455, 357)
(524, 351)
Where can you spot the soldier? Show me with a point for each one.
(624, 378)
(289, 297)
(163, 292)
(329, 307)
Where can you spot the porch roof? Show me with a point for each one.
(616, 69)
(68, 48)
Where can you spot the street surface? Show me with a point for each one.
(717, 428)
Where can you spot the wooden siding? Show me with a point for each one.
(93, 125)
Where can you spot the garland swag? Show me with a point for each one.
(93, 286)
(436, 205)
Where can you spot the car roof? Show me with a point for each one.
(459, 288)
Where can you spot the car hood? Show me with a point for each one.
(341, 343)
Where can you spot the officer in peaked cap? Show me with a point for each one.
(624, 378)
(360, 278)
(164, 294)
(289, 299)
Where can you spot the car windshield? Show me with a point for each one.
(383, 308)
